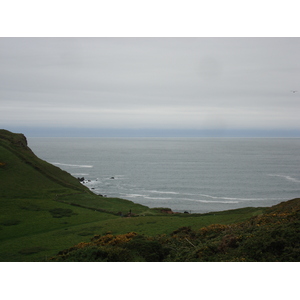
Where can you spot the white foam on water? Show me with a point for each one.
(134, 195)
(289, 178)
(163, 192)
(208, 201)
(71, 165)
(157, 198)
(238, 198)
(80, 174)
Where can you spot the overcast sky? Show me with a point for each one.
(150, 84)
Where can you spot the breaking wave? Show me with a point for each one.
(160, 192)
(238, 199)
(289, 178)
(209, 201)
(71, 165)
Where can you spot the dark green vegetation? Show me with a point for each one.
(272, 236)
(44, 210)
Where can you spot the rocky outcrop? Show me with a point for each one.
(17, 141)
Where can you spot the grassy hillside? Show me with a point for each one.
(268, 237)
(44, 210)
(24, 174)
(35, 221)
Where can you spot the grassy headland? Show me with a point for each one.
(44, 210)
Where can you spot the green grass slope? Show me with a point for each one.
(44, 210)
(37, 216)
(24, 174)
(273, 236)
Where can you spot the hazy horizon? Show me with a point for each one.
(150, 86)
(148, 133)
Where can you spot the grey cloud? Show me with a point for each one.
(150, 82)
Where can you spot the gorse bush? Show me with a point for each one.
(112, 240)
(123, 247)
(147, 249)
(274, 236)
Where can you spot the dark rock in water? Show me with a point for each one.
(112, 177)
(81, 179)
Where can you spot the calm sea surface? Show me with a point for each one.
(184, 174)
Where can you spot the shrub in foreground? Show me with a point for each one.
(274, 236)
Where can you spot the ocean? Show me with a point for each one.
(196, 175)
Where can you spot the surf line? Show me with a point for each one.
(71, 165)
(289, 178)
